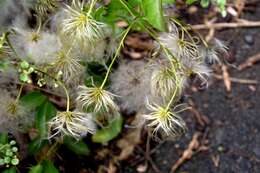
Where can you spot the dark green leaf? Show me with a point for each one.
(116, 11)
(10, 170)
(36, 169)
(78, 147)
(153, 12)
(33, 99)
(48, 167)
(44, 113)
(95, 73)
(35, 145)
(3, 138)
(110, 132)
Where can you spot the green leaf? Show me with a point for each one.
(190, 1)
(78, 147)
(44, 113)
(48, 167)
(116, 11)
(110, 132)
(95, 73)
(10, 170)
(24, 77)
(4, 64)
(3, 138)
(33, 99)
(36, 169)
(36, 145)
(153, 12)
(168, 1)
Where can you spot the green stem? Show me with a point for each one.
(61, 84)
(51, 150)
(67, 95)
(116, 55)
(92, 4)
(128, 9)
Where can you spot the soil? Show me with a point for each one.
(234, 128)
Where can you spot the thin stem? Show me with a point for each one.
(52, 149)
(67, 95)
(127, 8)
(61, 84)
(172, 98)
(93, 2)
(19, 93)
(116, 55)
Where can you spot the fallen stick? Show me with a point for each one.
(239, 24)
(249, 62)
(226, 78)
(189, 152)
(237, 80)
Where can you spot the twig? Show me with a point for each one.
(249, 62)
(201, 119)
(237, 80)
(240, 24)
(226, 78)
(189, 152)
(147, 154)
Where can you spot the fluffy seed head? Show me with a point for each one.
(177, 45)
(165, 80)
(75, 124)
(68, 64)
(14, 117)
(211, 53)
(80, 24)
(196, 67)
(43, 7)
(96, 98)
(131, 82)
(165, 122)
(39, 48)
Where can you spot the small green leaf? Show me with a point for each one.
(36, 169)
(44, 113)
(48, 167)
(153, 12)
(24, 77)
(110, 132)
(24, 65)
(78, 147)
(33, 99)
(204, 3)
(4, 64)
(15, 161)
(10, 170)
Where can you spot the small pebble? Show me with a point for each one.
(249, 39)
